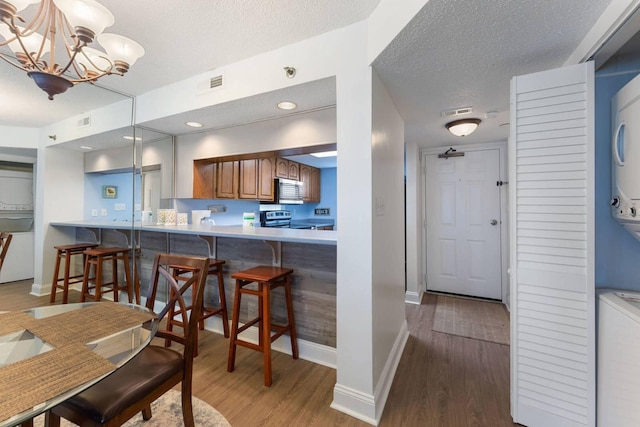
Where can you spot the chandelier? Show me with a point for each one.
(53, 47)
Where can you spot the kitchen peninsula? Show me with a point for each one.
(310, 253)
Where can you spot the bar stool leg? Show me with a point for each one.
(67, 265)
(98, 293)
(234, 327)
(114, 274)
(265, 305)
(85, 279)
(54, 283)
(292, 324)
(223, 302)
(127, 277)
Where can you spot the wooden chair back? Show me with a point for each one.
(162, 272)
(5, 240)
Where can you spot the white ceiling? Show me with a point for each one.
(452, 54)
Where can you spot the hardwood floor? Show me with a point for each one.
(442, 380)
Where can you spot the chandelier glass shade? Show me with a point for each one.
(463, 127)
(53, 47)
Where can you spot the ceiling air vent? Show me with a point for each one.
(457, 112)
(210, 84)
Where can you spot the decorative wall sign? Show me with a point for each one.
(109, 191)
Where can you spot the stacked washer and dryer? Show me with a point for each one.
(16, 217)
(618, 387)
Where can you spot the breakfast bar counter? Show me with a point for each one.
(312, 254)
(323, 237)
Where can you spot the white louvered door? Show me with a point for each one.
(551, 174)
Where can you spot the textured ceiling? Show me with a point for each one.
(464, 53)
(453, 54)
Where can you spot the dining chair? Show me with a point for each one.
(5, 240)
(156, 369)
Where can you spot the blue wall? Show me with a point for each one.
(617, 252)
(93, 196)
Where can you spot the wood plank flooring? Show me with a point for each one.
(442, 380)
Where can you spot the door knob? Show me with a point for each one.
(494, 222)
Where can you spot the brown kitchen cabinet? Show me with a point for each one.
(227, 180)
(266, 168)
(281, 168)
(310, 178)
(287, 169)
(203, 180)
(256, 179)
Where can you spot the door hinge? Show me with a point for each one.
(501, 183)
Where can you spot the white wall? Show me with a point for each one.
(302, 130)
(59, 197)
(19, 137)
(389, 324)
(414, 230)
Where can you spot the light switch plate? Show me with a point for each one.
(94, 212)
(119, 206)
(104, 212)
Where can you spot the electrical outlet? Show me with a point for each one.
(119, 206)
(94, 212)
(104, 212)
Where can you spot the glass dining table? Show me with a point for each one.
(49, 354)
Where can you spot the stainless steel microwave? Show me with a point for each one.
(288, 192)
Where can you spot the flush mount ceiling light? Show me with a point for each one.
(56, 64)
(194, 124)
(462, 127)
(287, 105)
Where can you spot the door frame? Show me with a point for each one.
(501, 146)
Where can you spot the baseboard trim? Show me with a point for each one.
(354, 403)
(364, 406)
(38, 289)
(413, 297)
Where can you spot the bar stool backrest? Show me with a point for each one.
(5, 240)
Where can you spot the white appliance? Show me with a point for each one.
(625, 167)
(16, 217)
(618, 358)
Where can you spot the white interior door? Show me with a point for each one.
(463, 224)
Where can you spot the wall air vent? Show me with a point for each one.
(210, 84)
(84, 121)
(456, 112)
(215, 81)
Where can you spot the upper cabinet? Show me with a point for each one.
(310, 178)
(251, 179)
(227, 180)
(287, 169)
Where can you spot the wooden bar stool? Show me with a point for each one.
(67, 252)
(96, 257)
(267, 278)
(215, 269)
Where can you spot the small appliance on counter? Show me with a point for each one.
(278, 219)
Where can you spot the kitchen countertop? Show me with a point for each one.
(325, 237)
(311, 222)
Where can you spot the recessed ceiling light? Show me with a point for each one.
(130, 138)
(287, 105)
(84, 147)
(325, 154)
(194, 124)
